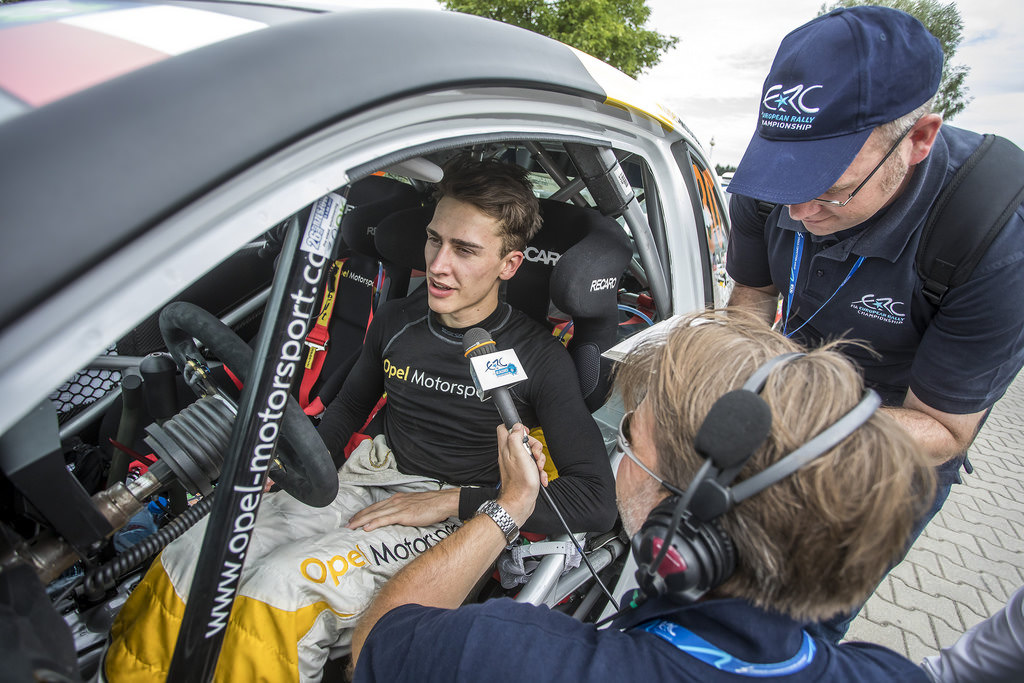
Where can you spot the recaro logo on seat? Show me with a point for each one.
(602, 284)
(548, 258)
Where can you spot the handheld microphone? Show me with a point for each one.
(477, 342)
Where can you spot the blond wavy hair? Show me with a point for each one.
(818, 542)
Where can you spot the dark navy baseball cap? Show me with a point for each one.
(833, 81)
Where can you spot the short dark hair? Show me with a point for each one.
(500, 190)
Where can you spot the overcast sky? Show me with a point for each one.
(712, 79)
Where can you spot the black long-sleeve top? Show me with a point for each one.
(437, 426)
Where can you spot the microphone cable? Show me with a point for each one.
(476, 342)
(579, 549)
(638, 599)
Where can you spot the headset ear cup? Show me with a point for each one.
(701, 556)
(643, 546)
(724, 553)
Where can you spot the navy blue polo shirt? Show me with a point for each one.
(502, 640)
(959, 358)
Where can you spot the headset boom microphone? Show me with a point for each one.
(736, 425)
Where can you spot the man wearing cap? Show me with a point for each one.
(853, 160)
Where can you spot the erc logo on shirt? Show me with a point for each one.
(417, 376)
(884, 309)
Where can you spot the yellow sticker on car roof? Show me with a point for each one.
(623, 91)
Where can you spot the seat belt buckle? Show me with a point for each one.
(317, 339)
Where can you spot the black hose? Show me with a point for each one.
(104, 576)
(128, 427)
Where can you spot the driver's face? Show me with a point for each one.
(465, 263)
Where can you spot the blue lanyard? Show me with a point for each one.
(794, 271)
(697, 647)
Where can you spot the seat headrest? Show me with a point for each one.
(401, 236)
(575, 261)
(369, 201)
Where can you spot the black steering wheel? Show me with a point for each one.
(309, 474)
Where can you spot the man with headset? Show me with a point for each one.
(752, 512)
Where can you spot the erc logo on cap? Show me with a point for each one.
(787, 108)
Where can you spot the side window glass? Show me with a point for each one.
(717, 228)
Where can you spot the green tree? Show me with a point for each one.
(727, 168)
(944, 22)
(611, 30)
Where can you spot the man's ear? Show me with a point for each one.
(922, 137)
(510, 264)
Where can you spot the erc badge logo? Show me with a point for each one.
(500, 368)
(787, 109)
(884, 309)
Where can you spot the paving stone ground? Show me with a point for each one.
(970, 558)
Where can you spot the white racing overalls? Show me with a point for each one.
(305, 581)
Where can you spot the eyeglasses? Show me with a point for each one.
(832, 202)
(622, 443)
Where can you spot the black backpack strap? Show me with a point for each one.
(764, 209)
(968, 214)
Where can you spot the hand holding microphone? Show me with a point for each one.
(522, 472)
(521, 479)
(522, 468)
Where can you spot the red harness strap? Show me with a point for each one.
(317, 341)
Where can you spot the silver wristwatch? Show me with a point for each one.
(501, 518)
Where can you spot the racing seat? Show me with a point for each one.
(572, 267)
(354, 279)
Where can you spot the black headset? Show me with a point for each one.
(682, 550)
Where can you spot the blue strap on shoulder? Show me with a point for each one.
(697, 647)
